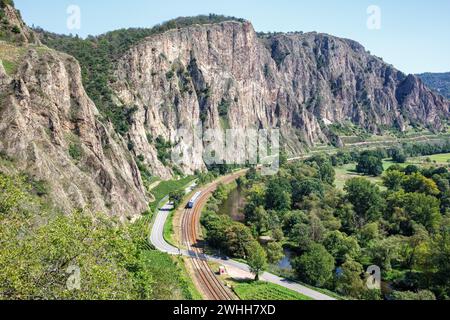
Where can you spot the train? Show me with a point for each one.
(193, 200)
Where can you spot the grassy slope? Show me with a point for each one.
(11, 56)
(440, 159)
(165, 187)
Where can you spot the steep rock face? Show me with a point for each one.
(299, 83)
(49, 128)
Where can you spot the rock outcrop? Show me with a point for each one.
(13, 28)
(299, 83)
(49, 127)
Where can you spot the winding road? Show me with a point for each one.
(211, 286)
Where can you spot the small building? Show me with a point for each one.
(222, 270)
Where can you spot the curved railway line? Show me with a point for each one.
(206, 281)
(211, 285)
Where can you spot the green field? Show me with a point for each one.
(440, 159)
(265, 291)
(348, 171)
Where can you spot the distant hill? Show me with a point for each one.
(439, 82)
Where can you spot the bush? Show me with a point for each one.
(409, 295)
(223, 108)
(398, 156)
(316, 266)
(114, 258)
(163, 148)
(75, 151)
(15, 29)
(370, 165)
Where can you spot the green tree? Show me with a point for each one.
(278, 195)
(238, 239)
(256, 259)
(404, 208)
(304, 188)
(365, 198)
(370, 165)
(398, 155)
(315, 266)
(341, 246)
(325, 168)
(350, 282)
(385, 251)
(369, 232)
(259, 219)
(275, 252)
(393, 179)
(307, 230)
(418, 183)
(410, 169)
(436, 262)
(177, 197)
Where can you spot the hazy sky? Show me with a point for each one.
(414, 34)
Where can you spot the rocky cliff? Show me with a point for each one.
(227, 76)
(50, 128)
(12, 26)
(222, 75)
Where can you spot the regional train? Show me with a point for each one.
(193, 200)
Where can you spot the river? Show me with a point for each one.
(234, 206)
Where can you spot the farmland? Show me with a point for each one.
(265, 291)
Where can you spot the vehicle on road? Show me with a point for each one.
(193, 200)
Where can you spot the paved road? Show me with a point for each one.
(158, 241)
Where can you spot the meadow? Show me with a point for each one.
(348, 171)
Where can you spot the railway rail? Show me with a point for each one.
(211, 285)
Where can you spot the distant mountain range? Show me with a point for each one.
(439, 82)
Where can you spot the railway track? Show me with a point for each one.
(211, 285)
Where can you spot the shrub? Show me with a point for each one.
(75, 151)
(15, 29)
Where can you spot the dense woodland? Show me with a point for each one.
(402, 226)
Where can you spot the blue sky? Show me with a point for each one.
(414, 34)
